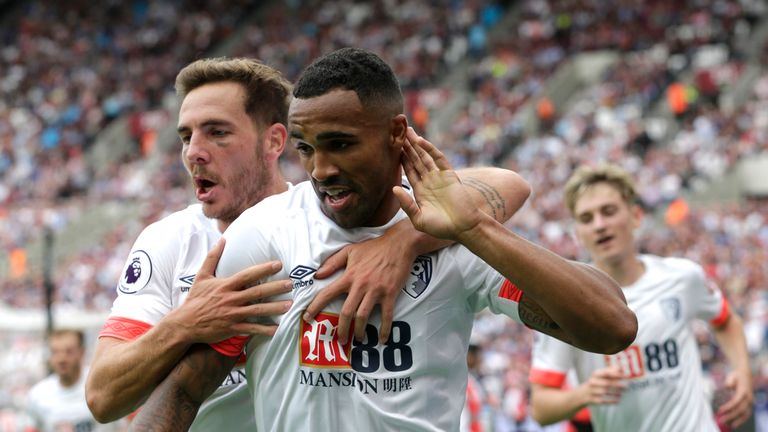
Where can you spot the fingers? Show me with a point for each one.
(736, 410)
(265, 309)
(417, 160)
(253, 274)
(211, 260)
(387, 315)
(325, 296)
(334, 263)
(433, 158)
(259, 292)
(351, 304)
(361, 318)
(255, 329)
(407, 203)
(606, 386)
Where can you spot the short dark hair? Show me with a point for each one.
(67, 331)
(354, 69)
(267, 93)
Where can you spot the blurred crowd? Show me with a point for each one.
(70, 69)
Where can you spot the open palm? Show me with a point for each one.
(442, 207)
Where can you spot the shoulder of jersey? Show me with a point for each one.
(44, 387)
(672, 264)
(296, 198)
(183, 221)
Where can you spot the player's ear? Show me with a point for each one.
(399, 129)
(274, 138)
(638, 214)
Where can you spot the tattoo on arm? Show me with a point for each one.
(492, 197)
(535, 317)
(175, 402)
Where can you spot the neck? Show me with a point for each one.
(276, 185)
(625, 271)
(69, 381)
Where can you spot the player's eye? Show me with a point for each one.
(303, 149)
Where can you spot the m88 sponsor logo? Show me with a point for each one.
(320, 347)
(636, 360)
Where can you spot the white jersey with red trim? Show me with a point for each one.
(303, 379)
(155, 280)
(665, 386)
(54, 407)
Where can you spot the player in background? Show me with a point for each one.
(57, 403)
(656, 384)
(472, 416)
(231, 124)
(346, 121)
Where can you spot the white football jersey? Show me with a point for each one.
(54, 407)
(303, 379)
(156, 279)
(665, 387)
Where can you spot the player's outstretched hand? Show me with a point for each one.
(737, 409)
(218, 308)
(376, 271)
(442, 207)
(605, 386)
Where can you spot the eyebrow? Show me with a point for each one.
(205, 124)
(323, 136)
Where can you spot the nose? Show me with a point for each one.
(599, 222)
(196, 152)
(323, 166)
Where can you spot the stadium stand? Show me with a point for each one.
(675, 91)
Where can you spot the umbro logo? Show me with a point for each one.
(189, 280)
(300, 272)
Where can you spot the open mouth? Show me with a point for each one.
(604, 239)
(204, 187)
(337, 199)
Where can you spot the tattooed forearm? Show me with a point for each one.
(175, 402)
(535, 317)
(176, 417)
(495, 201)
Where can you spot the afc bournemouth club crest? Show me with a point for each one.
(137, 272)
(671, 308)
(421, 274)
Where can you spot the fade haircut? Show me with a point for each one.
(354, 69)
(587, 176)
(267, 93)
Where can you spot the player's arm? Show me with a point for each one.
(730, 337)
(571, 301)
(174, 404)
(124, 372)
(554, 404)
(377, 269)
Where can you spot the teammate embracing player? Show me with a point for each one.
(346, 121)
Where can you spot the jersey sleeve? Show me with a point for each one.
(246, 245)
(487, 288)
(552, 359)
(706, 299)
(144, 285)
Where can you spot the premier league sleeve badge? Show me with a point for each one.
(136, 274)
